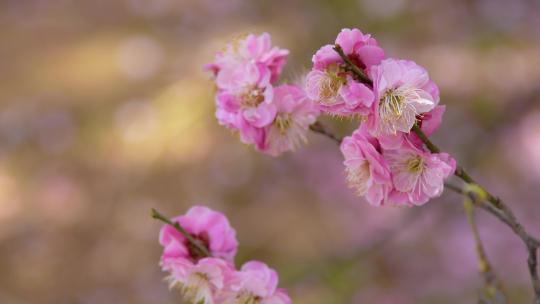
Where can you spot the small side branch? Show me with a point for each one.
(492, 289)
(531, 243)
(349, 65)
(202, 250)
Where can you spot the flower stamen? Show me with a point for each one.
(252, 97)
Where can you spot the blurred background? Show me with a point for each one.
(105, 112)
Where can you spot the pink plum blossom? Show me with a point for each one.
(417, 175)
(252, 49)
(255, 283)
(333, 87)
(428, 122)
(209, 227)
(244, 74)
(244, 93)
(295, 113)
(252, 104)
(337, 93)
(367, 170)
(201, 282)
(361, 48)
(403, 91)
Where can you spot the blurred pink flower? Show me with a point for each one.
(210, 227)
(252, 49)
(295, 113)
(244, 73)
(403, 91)
(252, 104)
(255, 283)
(201, 282)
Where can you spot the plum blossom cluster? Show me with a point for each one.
(273, 119)
(211, 278)
(385, 161)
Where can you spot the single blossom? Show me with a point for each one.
(403, 91)
(367, 170)
(255, 283)
(202, 282)
(210, 228)
(295, 113)
(244, 73)
(251, 103)
(417, 175)
(332, 86)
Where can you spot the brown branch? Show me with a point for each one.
(531, 244)
(317, 127)
(350, 66)
(196, 244)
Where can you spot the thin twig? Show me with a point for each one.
(492, 291)
(202, 250)
(317, 127)
(531, 244)
(360, 75)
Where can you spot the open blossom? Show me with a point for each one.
(201, 282)
(273, 120)
(295, 112)
(211, 228)
(244, 92)
(417, 175)
(333, 87)
(367, 170)
(251, 103)
(244, 73)
(403, 90)
(255, 283)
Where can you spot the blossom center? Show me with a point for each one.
(397, 111)
(252, 98)
(247, 298)
(283, 122)
(330, 84)
(358, 177)
(391, 105)
(196, 288)
(415, 164)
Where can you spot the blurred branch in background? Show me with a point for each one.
(492, 287)
(529, 241)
